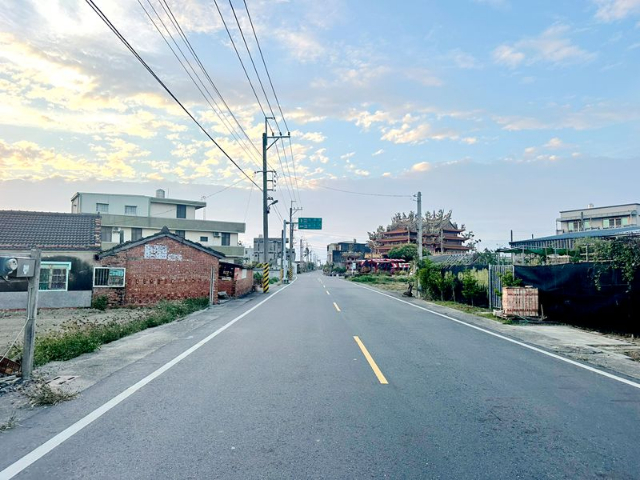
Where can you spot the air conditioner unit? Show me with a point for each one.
(216, 234)
(116, 229)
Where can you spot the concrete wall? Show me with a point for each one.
(186, 273)
(116, 203)
(18, 300)
(13, 294)
(165, 210)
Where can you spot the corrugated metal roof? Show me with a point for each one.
(49, 230)
(606, 232)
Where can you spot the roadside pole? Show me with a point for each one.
(291, 251)
(419, 287)
(32, 312)
(282, 255)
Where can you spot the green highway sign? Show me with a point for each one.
(309, 223)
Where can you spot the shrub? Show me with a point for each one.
(100, 303)
(86, 338)
(508, 279)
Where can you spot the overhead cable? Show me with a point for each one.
(106, 20)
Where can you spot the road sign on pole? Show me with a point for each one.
(307, 223)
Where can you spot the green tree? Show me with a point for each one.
(470, 287)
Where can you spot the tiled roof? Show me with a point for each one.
(49, 230)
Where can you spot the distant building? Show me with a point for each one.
(274, 251)
(342, 253)
(447, 239)
(592, 222)
(597, 218)
(69, 244)
(133, 217)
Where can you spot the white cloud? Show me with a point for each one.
(347, 156)
(414, 136)
(470, 140)
(319, 156)
(554, 143)
(612, 10)
(423, 76)
(361, 173)
(551, 46)
(506, 55)
(463, 60)
(315, 137)
(421, 167)
(377, 152)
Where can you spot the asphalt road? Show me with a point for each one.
(287, 392)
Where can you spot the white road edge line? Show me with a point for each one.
(522, 344)
(36, 454)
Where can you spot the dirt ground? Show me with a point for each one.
(49, 320)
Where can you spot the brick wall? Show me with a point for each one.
(237, 286)
(185, 273)
(243, 285)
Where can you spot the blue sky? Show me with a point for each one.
(506, 112)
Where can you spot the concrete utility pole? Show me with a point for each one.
(291, 212)
(32, 311)
(302, 269)
(419, 225)
(265, 190)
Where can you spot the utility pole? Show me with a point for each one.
(301, 257)
(291, 251)
(265, 194)
(419, 226)
(32, 312)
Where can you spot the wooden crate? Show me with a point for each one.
(520, 301)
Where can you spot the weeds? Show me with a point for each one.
(9, 424)
(87, 337)
(40, 393)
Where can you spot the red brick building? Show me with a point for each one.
(235, 280)
(163, 266)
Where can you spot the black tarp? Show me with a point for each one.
(568, 294)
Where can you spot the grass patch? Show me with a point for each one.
(463, 307)
(9, 424)
(78, 339)
(382, 279)
(40, 393)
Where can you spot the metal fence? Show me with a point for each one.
(495, 284)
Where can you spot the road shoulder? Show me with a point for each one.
(591, 348)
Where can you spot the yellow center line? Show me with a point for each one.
(372, 363)
(337, 307)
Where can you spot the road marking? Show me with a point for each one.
(327, 292)
(36, 454)
(337, 307)
(372, 363)
(522, 344)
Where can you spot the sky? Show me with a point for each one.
(504, 111)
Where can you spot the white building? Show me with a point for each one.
(132, 217)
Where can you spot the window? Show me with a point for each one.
(605, 223)
(54, 276)
(136, 233)
(105, 234)
(226, 239)
(181, 211)
(109, 277)
(130, 210)
(204, 239)
(180, 233)
(102, 207)
(618, 222)
(625, 221)
(587, 224)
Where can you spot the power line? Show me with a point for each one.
(265, 66)
(366, 194)
(239, 57)
(167, 9)
(224, 121)
(106, 20)
(266, 69)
